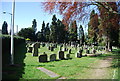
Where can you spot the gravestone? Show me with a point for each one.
(94, 51)
(61, 55)
(52, 57)
(43, 58)
(30, 49)
(79, 54)
(55, 45)
(38, 45)
(49, 48)
(35, 49)
(67, 56)
(60, 48)
(87, 51)
(69, 51)
(43, 44)
(52, 48)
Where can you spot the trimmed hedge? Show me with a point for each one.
(6, 46)
(6, 42)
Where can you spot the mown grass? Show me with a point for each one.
(75, 68)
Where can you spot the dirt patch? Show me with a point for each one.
(100, 70)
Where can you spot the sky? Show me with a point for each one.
(25, 12)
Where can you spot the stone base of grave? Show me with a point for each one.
(93, 55)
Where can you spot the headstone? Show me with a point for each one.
(67, 56)
(43, 58)
(38, 45)
(69, 51)
(61, 55)
(49, 48)
(60, 48)
(55, 45)
(43, 45)
(52, 57)
(79, 54)
(87, 51)
(94, 51)
(30, 49)
(52, 48)
(35, 50)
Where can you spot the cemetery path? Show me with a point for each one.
(100, 71)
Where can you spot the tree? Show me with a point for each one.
(109, 25)
(39, 36)
(47, 32)
(34, 25)
(75, 10)
(93, 27)
(27, 33)
(81, 35)
(43, 32)
(4, 28)
(73, 31)
(53, 33)
(61, 33)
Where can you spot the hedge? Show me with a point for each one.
(6, 45)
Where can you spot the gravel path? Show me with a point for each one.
(100, 71)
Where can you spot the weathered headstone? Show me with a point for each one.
(94, 51)
(87, 51)
(43, 45)
(43, 58)
(49, 48)
(61, 55)
(79, 54)
(35, 49)
(60, 48)
(52, 57)
(30, 49)
(67, 56)
(69, 51)
(52, 48)
(55, 45)
(38, 45)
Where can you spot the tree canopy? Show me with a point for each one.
(4, 28)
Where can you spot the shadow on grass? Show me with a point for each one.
(15, 71)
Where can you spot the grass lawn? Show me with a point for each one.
(75, 68)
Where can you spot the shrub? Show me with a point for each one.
(6, 45)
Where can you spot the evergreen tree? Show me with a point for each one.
(81, 35)
(43, 32)
(39, 36)
(4, 28)
(73, 31)
(47, 32)
(34, 25)
(27, 33)
(61, 32)
(93, 27)
(53, 34)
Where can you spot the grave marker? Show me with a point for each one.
(43, 58)
(52, 57)
(35, 49)
(67, 56)
(61, 55)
